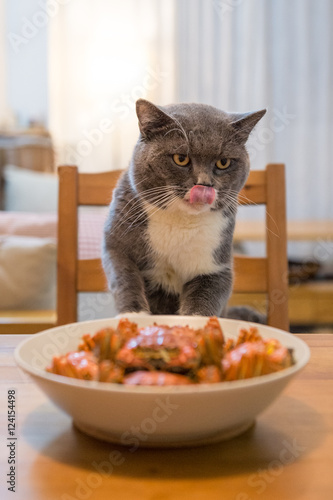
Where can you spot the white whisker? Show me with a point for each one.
(243, 199)
(165, 200)
(151, 195)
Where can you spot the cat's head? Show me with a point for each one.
(191, 156)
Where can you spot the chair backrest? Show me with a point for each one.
(74, 275)
(252, 274)
(267, 274)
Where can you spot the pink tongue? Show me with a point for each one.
(202, 194)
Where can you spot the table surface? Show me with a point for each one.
(288, 454)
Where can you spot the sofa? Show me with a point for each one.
(28, 252)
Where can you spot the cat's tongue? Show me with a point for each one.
(202, 194)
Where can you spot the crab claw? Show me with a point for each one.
(202, 194)
(80, 364)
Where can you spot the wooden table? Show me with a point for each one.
(288, 454)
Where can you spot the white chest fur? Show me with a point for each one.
(183, 246)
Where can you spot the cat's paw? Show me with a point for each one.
(129, 315)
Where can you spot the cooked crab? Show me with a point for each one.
(106, 342)
(163, 355)
(109, 372)
(210, 340)
(209, 374)
(83, 365)
(252, 359)
(160, 348)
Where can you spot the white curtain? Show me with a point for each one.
(250, 54)
(3, 72)
(104, 55)
(238, 55)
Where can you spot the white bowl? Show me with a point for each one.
(156, 416)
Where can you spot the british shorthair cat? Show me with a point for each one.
(168, 237)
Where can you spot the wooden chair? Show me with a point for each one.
(75, 275)
(267, 274)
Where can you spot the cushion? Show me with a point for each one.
(30, 191)
(42, 225)
(91, 225)
(27, 272)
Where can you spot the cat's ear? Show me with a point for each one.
(152, 120)
(243, 123)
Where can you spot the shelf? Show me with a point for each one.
(25, 322)
(247, 230)
(310, 303)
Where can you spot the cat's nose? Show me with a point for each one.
(204, 180)
(204, 184)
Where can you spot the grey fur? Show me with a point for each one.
(206, 135)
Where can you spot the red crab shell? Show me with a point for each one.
(209, 375)
(210, 341)
(106, 342)
(109, 372)
(250, 334)
(160, 347)
(82, 365)
(252, 359)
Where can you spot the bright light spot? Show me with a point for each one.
(117, 58)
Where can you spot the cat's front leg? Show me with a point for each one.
(125, 282)
(206, 295)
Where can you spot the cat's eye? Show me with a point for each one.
(223, 163)
(181, 160)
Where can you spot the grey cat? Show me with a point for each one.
(168, 235)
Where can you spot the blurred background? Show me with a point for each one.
(76, 67)
(71, 71)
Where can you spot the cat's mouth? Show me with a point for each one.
(200, 195)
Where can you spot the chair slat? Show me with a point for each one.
(277, 247)
(254, 191)
(90, 276)
(97, 189)
(67, 245)
(250, 274)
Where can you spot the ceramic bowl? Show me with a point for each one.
(156, 416)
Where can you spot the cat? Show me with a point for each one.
(167, 245)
